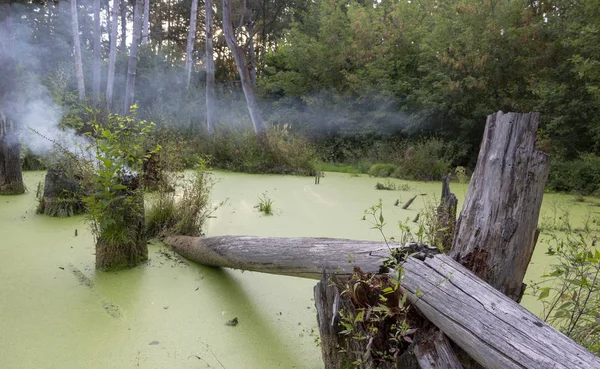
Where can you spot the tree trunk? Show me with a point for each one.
(240, 61)
(496, 231)
(210, 68)
(123, 26)
(112, 57)
(133, 56)
(96, 65)
(190, 41)
(77, 51)
(251, 52)
(146, 28)
(11, 179)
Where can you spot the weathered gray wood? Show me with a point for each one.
(446, 217)
(435, 352)
(489, 326)
(299, 257)
(327, 300)
(410, 201)
(495, 233)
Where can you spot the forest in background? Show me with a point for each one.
(361, 83)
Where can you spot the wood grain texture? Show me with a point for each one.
(298, 257)
(495, 233)
(493, 329)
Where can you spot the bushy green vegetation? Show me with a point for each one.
(382, 170)
(581, 175)
(283, 152)
(570, 289)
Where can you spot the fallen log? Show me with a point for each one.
(489, 326)
(297, 257)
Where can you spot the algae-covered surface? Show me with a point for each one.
(56, 311)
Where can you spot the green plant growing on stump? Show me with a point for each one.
(116, 205)
(375, 319)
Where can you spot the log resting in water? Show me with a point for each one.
(489, 326)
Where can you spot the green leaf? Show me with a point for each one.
(545, 292)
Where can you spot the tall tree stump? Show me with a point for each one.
(11, 178)
(496, 231)
(62, 192)
(124, 244)
(446, 217)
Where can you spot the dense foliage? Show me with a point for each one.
(354, 78)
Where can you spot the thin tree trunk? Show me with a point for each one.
(146, 30)
(251, 52)
(112, 57)
(240, 62)
(77, 51)
(133, 56)
(123, 26)
(210, 68)
(11, 180)
(190, 41)
(97, 46)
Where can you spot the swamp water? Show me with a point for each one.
(56, 311)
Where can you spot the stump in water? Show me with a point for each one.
(446, 217)
(123, 244)
(63, 192)
(152, 171)
(496, 231)
(11, 179)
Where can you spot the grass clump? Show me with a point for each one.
(186, 215)
(265, 205)
(389, 185)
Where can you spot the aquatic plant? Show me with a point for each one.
(391, 186)
(265, 205)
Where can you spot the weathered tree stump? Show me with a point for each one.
(152, 171)
(11, 178)
(496, 231)
(62, 193)
(446, 217)
(124, 243)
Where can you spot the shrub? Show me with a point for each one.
(427, 160)
(382, 170)
(570, 290)
(580, 176)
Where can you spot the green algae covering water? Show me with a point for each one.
(56, 311)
